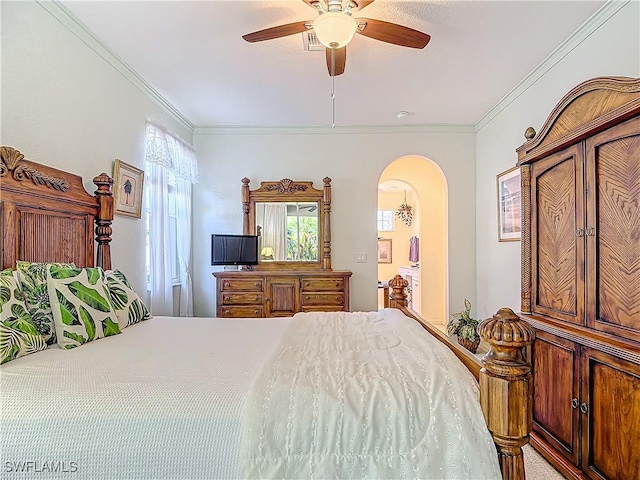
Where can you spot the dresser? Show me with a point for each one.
(252, 293)
(581, 279)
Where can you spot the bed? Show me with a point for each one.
(154, 411)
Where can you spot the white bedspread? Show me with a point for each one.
(364, 396)
(163, 400)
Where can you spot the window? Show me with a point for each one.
(386, 222)
(171, 168)
(172, 240)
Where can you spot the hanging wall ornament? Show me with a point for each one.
(404, 212)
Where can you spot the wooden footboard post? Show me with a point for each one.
(506, 388)
(398, 293)
(104, 195)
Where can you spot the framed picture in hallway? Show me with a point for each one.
(384, 250)
(509, 205)
(127, 189)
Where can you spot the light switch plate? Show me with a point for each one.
(361, 258)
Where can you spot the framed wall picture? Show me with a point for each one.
(509, 205)
(384, 250)
(127, 189)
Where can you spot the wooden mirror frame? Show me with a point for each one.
(287, 190)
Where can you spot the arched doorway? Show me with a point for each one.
(426, 192)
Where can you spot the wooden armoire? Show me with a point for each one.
(581, 279)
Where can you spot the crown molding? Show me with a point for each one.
(75, 26)
(324, 130)
(604, 13)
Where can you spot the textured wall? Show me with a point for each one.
(355, 162)
(64, 106)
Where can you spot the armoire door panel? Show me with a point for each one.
(558, 234)
(555, 364)
(611, 416)
(613, 212)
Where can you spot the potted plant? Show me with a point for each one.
(465, 328)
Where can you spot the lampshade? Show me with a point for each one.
(335, 29)
(267, 253)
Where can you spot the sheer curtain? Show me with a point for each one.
(165, 154)
(274, 233)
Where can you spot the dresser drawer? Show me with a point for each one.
(326, 308)
(247, 285)
(243, 298)
(241, 312)
(322, 284)
(322, 298)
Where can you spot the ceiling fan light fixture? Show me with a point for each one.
(335, 29)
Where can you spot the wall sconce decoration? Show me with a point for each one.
(404, 212)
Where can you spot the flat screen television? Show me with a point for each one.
(234, 249)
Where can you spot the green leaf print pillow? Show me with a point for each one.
(126, 302)
(19, 335)
(82, 311)
(33, 283)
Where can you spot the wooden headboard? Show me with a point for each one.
(48, 216)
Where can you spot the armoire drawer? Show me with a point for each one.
(322, 298)
(254, 311)
(322, 284)
(248, 285)
(241, 298)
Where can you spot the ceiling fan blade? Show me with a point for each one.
(392, 33)
(360, 4)
(336, 60)
(277, 32)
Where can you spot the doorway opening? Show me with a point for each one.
(415, 248)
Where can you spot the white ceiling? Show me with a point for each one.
(192, 53)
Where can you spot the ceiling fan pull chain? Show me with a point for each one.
(333, 99)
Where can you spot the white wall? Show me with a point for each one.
(612, 50)
(354, 161)
(64, 106)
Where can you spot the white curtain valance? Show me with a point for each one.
(172, 153)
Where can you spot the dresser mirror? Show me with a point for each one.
(292, 221)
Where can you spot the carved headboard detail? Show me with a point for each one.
(47, 215)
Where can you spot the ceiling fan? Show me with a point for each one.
(335, 27)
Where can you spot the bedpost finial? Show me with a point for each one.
(506, 387)
(506, 329)
(245, 182)
(327, 181)
(104, 183)
(398, 295)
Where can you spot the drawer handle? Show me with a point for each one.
(579, 232)
(256, 298)
(307, 297)
(584, 408)
(226, 284)
(257, 284)
(574, 403)
(337, 284)
(307, 284)
(227, 298)
(256, 312)
(227, 312)
(338, 299)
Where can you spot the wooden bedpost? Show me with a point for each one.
(506, 386)
(398, 294)
(104, 195)
(326, 241)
